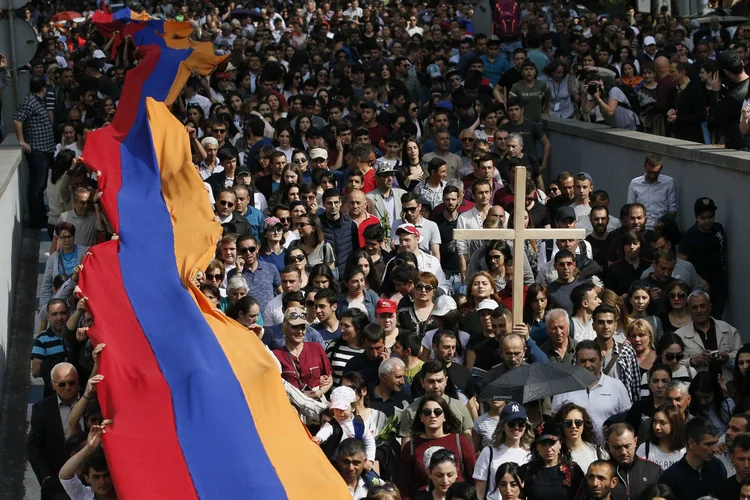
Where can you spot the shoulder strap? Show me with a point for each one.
(648, 447)
(460, 455)
(613, 360)
(359, 428)
(489, 474)
(411, 446)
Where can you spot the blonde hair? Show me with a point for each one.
(498, 437)
(644, 326)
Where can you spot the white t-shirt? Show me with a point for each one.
(499, 457)
(663, 460)
(585, 455)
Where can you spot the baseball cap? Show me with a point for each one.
(98, 54)
(408, 228)
(704, 205)
(563, 213)
(318, 153)
(367, 105)
(385, 306)
(384, 167)
(649, 40)
(313, 132)
(443, 305)
(493, 40)
(342, 398)
(243, 170)
(295, 316)
(586, 175)
(434, 71)
(546, 432)
(271, 222)
(487, 305)
(513, 411)
(230, 67)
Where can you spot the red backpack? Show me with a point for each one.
(506, 19)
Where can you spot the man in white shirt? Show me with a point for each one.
(96, 472)
(291, 281)
(604, 397)
(409, 238)
(193, 97)
(411, 213)
(585, 300)
(584, 185)
(655, 191)
(350, 462)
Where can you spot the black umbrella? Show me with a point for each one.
(241, 13)
(537, 381)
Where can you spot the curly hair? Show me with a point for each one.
(588, 435)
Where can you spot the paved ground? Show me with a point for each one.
(17, 480)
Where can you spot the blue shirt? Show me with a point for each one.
(272, 258)
(47, 345)
(261, 282)
(328, 336)
(493, 70)
(256, 220)
(274, 337)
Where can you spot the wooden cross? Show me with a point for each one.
(518, 235)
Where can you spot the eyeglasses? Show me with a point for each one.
(72, 383)
(670, 356)
(216, 276)
(247, 249)
(518, 423)
(427, 412)
(677, 295)
(298, 257)
(225, 203)
(425, 287)
(296, 316)
(65, 237)
(570, 423)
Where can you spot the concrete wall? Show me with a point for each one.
(12, 205)
(613, 157)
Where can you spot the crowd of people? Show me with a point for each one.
(340, 145)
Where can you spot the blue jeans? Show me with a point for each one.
(39, 164)
(706, 133)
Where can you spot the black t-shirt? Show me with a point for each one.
(448, 251)
(540, 215)
(461, 378)
(706, 251)
(615, 251)
(559, 294)
(548, 483)
(599, 249)
(510, 78)
(531, 133)
(731, 489)
(620, 275)
(487, 351)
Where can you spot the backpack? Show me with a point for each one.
(633, 104)
(506, 19)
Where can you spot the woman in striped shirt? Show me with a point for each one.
(349, 344)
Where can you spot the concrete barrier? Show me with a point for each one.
(613, 157)
(12, 207)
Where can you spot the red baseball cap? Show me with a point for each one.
(385, 306)
(408, 228)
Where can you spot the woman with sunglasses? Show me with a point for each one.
(639, 299)
(409, 172)
(355, 295)
(671, 351)
(434, 426)
(387, 491)
(297, 258)
(549, 475)
(349, 344)
(215, 275)
(299, 158)
(498, 253)
(677, 314)
(665, 438)
(443, 472)
(272, 248)
(511, 442)
(417, 315)
(579, 442)
(312, 241)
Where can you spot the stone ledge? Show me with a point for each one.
(666, 146)
(10, 161)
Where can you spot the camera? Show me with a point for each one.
(593, 88)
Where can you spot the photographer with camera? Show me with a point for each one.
(614, 111)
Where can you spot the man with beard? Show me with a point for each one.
(600, 481)
(635, 474)
(599, 237)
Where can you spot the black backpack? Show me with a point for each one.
(634, 103)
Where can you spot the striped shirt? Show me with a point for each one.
(47, 345)
(339, 353)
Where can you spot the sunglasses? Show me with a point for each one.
(217, 276)
(247, 249)
(225, 203)
(285, 219)
(467, 139)
(496, 257)
(219, 131)
(300, 160)
(423, 286)
(72, 383)
(386, 487)
(677, 295)
(65, 237)
(427, 412)
(519, 423)
(409, 209)
(669, 356)
(296, 316)
(310, 303)
(570, 423)
(298, 258)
